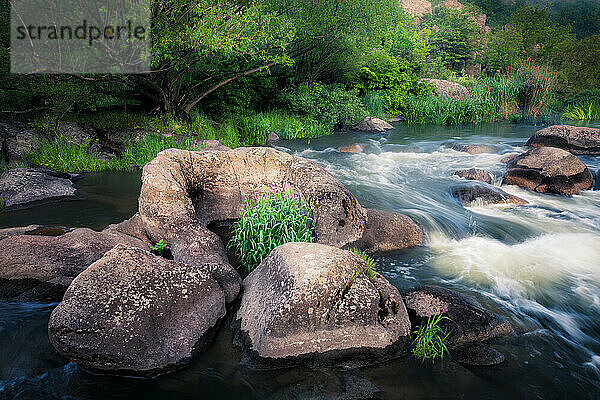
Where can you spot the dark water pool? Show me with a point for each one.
(537, 265)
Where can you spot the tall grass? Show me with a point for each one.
(430, 339)
(526, 91)
(583, 112)
(255, 128)
(374, 104)
(275, 219)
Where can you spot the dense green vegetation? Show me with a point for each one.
(371, 264)
(274, 219)
(430, 339)
(235, 71)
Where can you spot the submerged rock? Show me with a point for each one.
(307, 300)
(469, 321)
(576, 140)
(135, 313)
(483, 194)
(22, 186)
(351, 148)
(474, 174)
(388, 231)
(478, 355)
(472, 148)
(330, 386)
(371, 124)
(549, 170)
(36, 267)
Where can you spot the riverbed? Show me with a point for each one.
(537, 265)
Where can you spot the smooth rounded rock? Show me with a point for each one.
(308, 299)
(549, 170)
(469, 321)
(474, 174)
(574, 139)
(22, 186)
(388, 231)
(484, 194)
(135, 313)
(375, 125)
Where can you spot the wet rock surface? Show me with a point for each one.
(135, 313)
(549, 170)
(23, 186)
(482, 194)
(388, 231)
(474, 174)
(307, 299)
(469, 321)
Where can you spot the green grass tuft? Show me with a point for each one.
(275, 219)
(372, 266)
(430, 340)
(1, 202)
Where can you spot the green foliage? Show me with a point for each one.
(159, 248)
(371, 268)
(329, 105)
(577, 64)
(374, 104)
(275, 219)
(1, 202)
(391, 78)
(430, 339)
(583, 112)
(455, 36)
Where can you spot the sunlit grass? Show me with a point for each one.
(430, 339)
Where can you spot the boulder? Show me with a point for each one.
(549, 170)
(472, 148)
(576, 140)
(16, 144)
(183, 192)
(135, 313)
(79, 134)
(508, 158)
(469, 321)
(474, 174)
(388, 231)
(483, 194)
(351, 148)
(328, 385)
(272, 138)
(34, 266)
(22, 186)
(447, 88)
(371, 124)
(308, 300)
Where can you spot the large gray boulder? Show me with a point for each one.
(375, 125)
(35, 267)
(307, 300)
(576, 140)
(469, 321)
(22, 186)
(135, 313)
(16, 144)
(183, 192)
(388, 231)
(549, 170)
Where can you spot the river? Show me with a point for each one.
(537, 265)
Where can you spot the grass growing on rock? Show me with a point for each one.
(430, 339)
(371, 269)
(275, 219)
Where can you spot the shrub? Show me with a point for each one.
(330, 105)
(275, 219)
(430, 340)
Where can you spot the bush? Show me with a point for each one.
(430, 340)
(329, 105)
(583, 112)
(275, 219)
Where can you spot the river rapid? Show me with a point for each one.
(537, 265)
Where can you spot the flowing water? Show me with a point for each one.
(537, 265)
